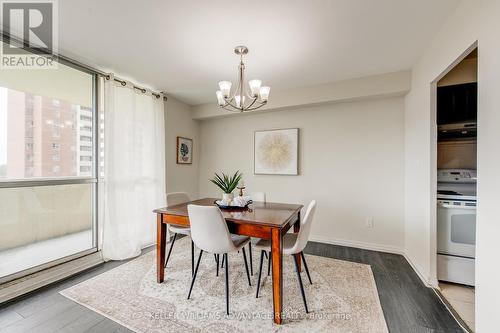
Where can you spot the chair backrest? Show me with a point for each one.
(209, 230)
(258, 196)
(305, 228)
(175, 198)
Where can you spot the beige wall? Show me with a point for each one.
(473, 21)
(178, 122)
(350, 160)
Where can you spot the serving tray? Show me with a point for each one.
(232, 207)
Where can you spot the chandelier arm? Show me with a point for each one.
(261, 104)
(249, 96)
(231, 105)
(231, 110)
(235, 91)
(253, 102)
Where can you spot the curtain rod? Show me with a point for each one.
(74, 63)
(143, 90)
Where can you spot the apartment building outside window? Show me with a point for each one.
(47, 167)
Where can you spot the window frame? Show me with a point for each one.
(71, 180)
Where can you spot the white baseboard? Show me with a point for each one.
(376, 247)
(357, 244)
(427, 282)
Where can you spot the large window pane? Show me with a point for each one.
(47, 167)
(45, 128)
(44, 223)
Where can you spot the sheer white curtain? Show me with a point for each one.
(134, 169)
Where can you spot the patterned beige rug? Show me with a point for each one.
(342, 298)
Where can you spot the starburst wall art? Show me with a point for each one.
(276, 152)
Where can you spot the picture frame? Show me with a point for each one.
(184, 150)
(276, 152)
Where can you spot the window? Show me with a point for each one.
(48, 168)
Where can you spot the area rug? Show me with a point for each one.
(342, 298)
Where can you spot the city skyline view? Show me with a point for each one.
(43, 137)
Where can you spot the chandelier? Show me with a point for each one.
(241, 99)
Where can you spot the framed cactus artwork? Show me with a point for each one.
(184, 150)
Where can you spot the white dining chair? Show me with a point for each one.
(260, 197)
(293, 244)
(176, 198)
(210, 233)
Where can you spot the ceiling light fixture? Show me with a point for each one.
(242, 100)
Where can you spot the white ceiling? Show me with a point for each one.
(185, 47)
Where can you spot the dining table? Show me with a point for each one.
(265, 220)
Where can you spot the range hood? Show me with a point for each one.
(457, 131)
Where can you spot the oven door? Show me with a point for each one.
(456, 229)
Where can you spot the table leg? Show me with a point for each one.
(277, 266)
(161, 235)
(296, 229)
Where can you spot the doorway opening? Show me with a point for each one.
(456, 176)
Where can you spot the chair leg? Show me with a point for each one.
(300, 282)
(192, 257)
(246, 265)
(195, 272)
(227, 283)
(170, 250)
(260, 272)
(250, 255)
(223, 259)
(269, 263)
(305, 266)
(217, 263)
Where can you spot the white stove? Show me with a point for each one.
(456, 225)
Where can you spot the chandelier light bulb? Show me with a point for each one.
(255, 87)
(220, 98)
(225, 88)
(264, 93)
(239, 101)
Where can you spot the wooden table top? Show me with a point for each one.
(264, 213)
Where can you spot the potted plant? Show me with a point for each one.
(227, 184)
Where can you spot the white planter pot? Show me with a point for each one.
(227, 198)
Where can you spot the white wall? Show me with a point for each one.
(472, 21)
(178, 122)
(350, 160)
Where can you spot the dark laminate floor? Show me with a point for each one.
(407, 304)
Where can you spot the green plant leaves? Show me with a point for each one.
(227, 183)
